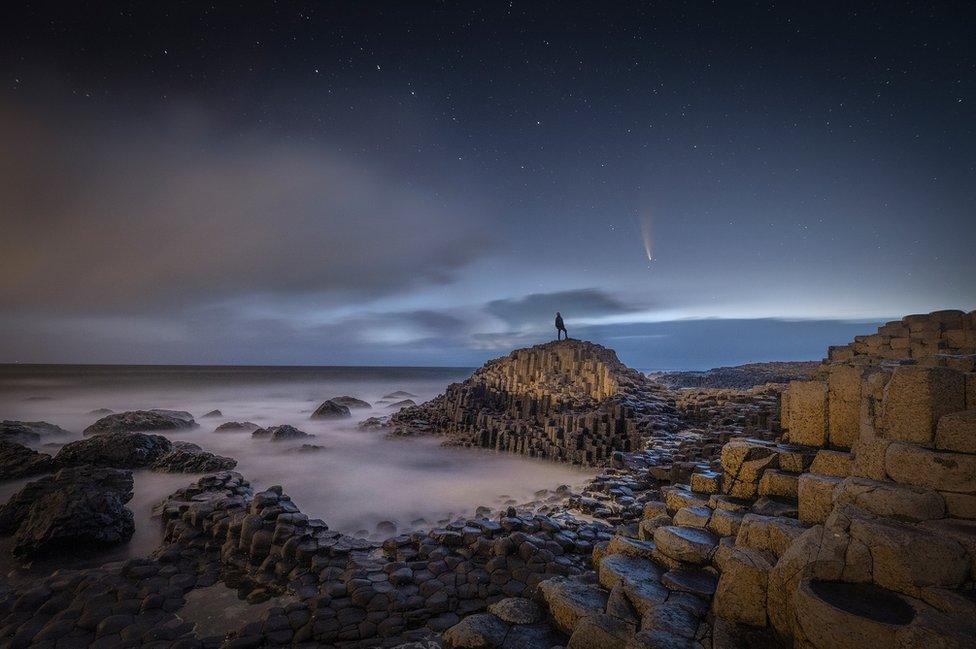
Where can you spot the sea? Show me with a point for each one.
(357, 480)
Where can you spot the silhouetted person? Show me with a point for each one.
(560, 327)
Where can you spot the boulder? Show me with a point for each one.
(331, 410)
(213, 413)
(119, 450)
(399, 394)
(281, 433)
(236, 427)
(398, 405)
(19, 461)
(351, 402)
(142, 420)
(768, 533)
(28, 432)
(190, 458)
(639, 579)
(74, 508)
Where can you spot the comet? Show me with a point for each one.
(645, 228)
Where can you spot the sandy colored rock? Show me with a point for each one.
(693, 516)
(741, 593)
(828, 618)
(843, 404)
(778, 484)
(685, 544)
(806, 415)
(743, 462)
(815, 496)
(956, 431)
(724, 522)
(959, 505)
(916, 398)
(480, 631)
(768, 533)
(921, 467)
(833, 463)
(906, 558)
(890, 500)
(569, 600)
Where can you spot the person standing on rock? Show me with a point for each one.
(560, 327)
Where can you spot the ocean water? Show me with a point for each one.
(357, 480)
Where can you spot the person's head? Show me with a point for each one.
(557, 314)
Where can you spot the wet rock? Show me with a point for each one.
(281, 433)
(75, 507)
(119, 450)
(213, 413)
(406, 403)
(18, 461)
(190, 458)
(351, 402)
(331, 410)
(28, 432)
(236, 427)
(142, 420)
(400, 394)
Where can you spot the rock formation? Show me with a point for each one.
(18, 461)
(571, 400)
(351, 402)
(281, 433)
(236, 427)
(142, 420)
(28, 432)
(331, 410)
(139, 450)
(74, 508)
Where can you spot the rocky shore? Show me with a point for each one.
(834, 510)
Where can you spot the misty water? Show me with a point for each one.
(357, 480)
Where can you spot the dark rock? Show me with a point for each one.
(308, 448)
(481, 631)
(101, 411)
(331, 410)
(351, 402)
(213, 413)
(236, 427)
(190, 458)
(119, 450)
(406, 403)
(142, 420)
(399, 394)
(281, 433)
(28, 432)
(18, 461)
(76, 507)
(372, 423)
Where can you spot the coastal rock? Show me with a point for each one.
(281, 433)
(119, 450)
(331, 410)
(28, 432)
(399, 394)
(19, 461)
(406, 403)
(100, 411)
(213, 413)
(569, 400)
(351, 402)
(740, 377)
(142, 420)
(236, 427)
(76, 507)
(190, 458)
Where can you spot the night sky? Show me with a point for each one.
(427, 183)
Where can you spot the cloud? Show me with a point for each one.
(136, 218)
(538, 309)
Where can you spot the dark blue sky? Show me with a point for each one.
(425, 183)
